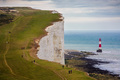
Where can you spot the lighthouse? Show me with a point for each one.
(100, 46)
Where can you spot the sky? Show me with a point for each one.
(78, 14)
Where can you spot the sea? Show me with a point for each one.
(89, 41)
(85, 12)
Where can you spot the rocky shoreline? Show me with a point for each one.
(78, 60)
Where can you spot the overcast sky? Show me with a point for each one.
(79, 14)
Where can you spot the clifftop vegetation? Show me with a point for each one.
(18, 31)
(5, 18)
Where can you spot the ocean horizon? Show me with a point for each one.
(89, 41)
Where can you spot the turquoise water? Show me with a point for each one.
(87, 15)
(89, 41)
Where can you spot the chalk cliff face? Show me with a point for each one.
(52, 45)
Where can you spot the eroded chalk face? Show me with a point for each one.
(52, 45)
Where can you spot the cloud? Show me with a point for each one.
(92, 19)
(89, 6)
(69, 6)
(74, 10)
(40, 4)
(88, 9)
(86, 3)
(82, 14)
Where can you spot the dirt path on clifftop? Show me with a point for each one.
(7, 49)
(62, 78)
(5, 60)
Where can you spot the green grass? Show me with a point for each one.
(28, 25)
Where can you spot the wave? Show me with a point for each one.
(113, 68)
(113, 57)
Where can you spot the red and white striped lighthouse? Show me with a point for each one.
(100, 46)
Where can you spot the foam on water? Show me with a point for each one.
(110, 56)
(88, 41)
(111, 67)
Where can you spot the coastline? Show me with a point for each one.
(52, 43)
(25, 65)
(78, 60)
(36, 47)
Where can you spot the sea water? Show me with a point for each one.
(89, 41)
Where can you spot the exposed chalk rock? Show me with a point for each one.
(52, 45)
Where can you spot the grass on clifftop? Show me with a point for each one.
(17, 43)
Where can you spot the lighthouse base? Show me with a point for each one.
(99, 50)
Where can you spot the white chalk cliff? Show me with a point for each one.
(52, 45)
